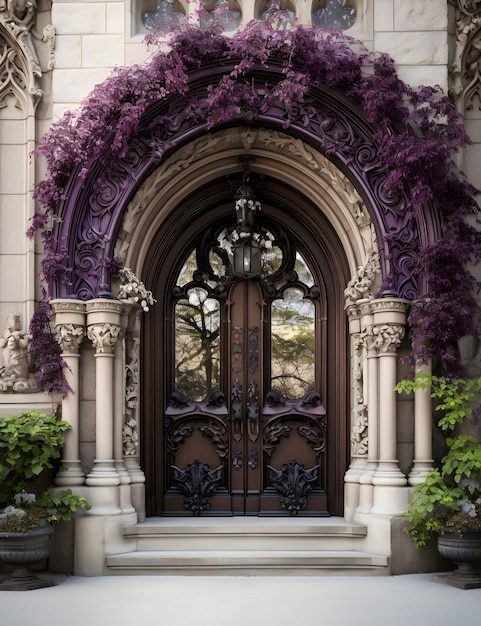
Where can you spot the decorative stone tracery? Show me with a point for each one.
(20, 67)
(466, 64)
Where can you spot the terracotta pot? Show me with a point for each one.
(465, 551)
(22, 550)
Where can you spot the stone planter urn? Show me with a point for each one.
(22, 550)
(465, 552)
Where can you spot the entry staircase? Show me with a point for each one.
(246, 546)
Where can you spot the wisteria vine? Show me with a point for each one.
(418, 132)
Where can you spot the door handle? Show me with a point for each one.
(237, 422)
(253, 411)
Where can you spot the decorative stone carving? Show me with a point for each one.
(15, 372)
(103, 337)
(466, 64)
(388, 337)
(359, 425)
(328, 125)
(359, 431)
(20, 66)
(130, 437)
(69, 337)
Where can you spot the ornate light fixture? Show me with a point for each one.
(246, 248)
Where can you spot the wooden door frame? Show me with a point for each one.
(295, 213)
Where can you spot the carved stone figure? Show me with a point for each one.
(15, 374)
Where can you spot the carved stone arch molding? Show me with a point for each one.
(274, 155)
(92, 215)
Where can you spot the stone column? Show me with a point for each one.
(358, 434)
(423, 442)
(103, 324)
(130, 433)
(119, 412)
(372, 400)
(70, 330)
(389, 321)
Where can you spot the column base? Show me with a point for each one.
(103, 500)
(124, 476)
(420, 469)
(388, 474)
(365, 492)
(103, 474)
(71, 475)
(390, 500)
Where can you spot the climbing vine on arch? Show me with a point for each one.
(417, 133)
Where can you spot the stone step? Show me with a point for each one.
(245, 546)
(244, 533)
(247, 562)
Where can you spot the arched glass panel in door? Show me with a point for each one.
(245, 427)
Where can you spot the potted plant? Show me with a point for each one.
(29, 444)
(448, 501)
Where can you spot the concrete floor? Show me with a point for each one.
(248, 601)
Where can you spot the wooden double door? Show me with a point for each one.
(245, 430)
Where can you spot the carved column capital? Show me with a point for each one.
(103, 337)
(388, 337)
(69, 337)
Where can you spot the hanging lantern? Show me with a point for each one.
(247, 259)
(247, 250)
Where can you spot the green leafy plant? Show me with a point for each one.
(450, 496)
(27, 512)
(29, 443)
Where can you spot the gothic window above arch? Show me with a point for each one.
(285, 5)
(227, 12)
(333, 14)
(151, 15)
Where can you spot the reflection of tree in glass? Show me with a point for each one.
(197, 345)
(293, 343)
(334, 16)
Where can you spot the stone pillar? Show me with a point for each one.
(423, 442)
(130, 433)
(389, 321)
(103, 324)
(119, 412)
(70, 330)
(358, 434)
(372, 400)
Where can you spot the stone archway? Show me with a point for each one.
(92, 214)
(330, 164)
(330, 159)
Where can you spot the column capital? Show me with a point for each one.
(104, 318)
(388, 337)
(103, 337)
(70, 337)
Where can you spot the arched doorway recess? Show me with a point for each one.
(330, 159)
(317, 210)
